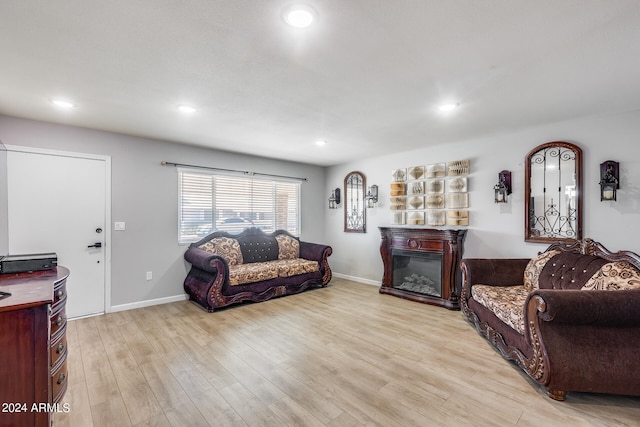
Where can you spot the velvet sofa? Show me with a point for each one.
(569, 317)
(253, 266)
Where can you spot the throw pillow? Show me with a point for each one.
(288, 247)
(226, 247)
(614, 276)
(535, 266)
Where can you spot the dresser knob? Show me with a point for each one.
(60, 293)
(60, 348)
(61, 378)
(59, 320)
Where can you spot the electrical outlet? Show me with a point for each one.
(149, 275)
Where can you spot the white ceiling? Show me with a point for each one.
(366, 77)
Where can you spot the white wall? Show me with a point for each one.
(497, 230)
(144, 196)
(4, 244)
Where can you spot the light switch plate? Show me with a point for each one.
(119, 226)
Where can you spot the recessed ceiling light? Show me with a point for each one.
(321, 142)
(299, 16)
(187, 109)
(447, 107)
(62, 103)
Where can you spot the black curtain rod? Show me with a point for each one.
(165, 163)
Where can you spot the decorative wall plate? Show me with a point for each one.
(416, 172)
(398, 203)
(458, 200)
(416, 202)
(436, 170)
(435, 201)
(459, 167)
(435, 217)
(457, 185)
(416, 218)
(457, 217)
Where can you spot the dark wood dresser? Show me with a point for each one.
(33, 347)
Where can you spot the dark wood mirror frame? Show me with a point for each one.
(557, 221)
(355, 217)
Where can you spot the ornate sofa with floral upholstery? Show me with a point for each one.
(569, 317)
(253, 266)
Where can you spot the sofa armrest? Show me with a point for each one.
(588, 307)
(320, 253)
(314, 251)
(205, 260)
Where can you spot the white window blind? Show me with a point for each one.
(230, 203)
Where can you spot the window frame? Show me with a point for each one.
(280, 189)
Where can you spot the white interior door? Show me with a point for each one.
(58, 203)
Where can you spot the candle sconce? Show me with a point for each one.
(503, 188)
(372, 196)
(609, 180)
(334, 199)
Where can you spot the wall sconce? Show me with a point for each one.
(372, 196)
(334, 199)
(609, 180)
(503, 188)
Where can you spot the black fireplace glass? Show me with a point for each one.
(418, 272)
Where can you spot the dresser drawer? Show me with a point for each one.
(59, 294)
(58, 348)
(58, 321)
(59, 379)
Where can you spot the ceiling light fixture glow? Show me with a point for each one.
(445, 108)
(299, 16)
(321, 142)
(63, 103)
(187, 109)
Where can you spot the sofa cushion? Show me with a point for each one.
(506, 302)
(260, 271)
(252, 272)
(226, 247)
(288, 247)
(569, 271)
(258, 248)
(533, 269)
(294, 267)
(614, 276)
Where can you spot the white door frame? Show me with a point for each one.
(107, 192)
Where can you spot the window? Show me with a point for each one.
(209, 203)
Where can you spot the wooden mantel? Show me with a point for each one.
(447, 243)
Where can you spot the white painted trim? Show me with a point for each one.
(357, 279)
(148, 303)
(107, 214)
(36, 150)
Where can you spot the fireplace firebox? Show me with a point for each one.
(422, 264)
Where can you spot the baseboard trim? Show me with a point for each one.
(148, 303)
(357, 279)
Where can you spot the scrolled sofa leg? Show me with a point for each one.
(557, 394)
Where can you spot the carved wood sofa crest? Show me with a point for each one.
(253, 266)
(569, 317)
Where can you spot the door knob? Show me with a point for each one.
(95, 245)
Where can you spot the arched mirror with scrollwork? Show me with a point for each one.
(553, 193)
(354, 203)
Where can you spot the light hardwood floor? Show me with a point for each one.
(338, 356)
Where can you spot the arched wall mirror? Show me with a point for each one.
(553, 193)
(354, 203)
